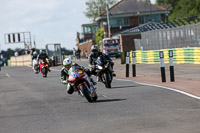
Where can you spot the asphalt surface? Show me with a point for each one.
(30, 103)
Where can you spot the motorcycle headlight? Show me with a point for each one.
(100, 67)
(106, 65)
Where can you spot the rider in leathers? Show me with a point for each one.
(93, 57)
(43, 56)
(67, 64)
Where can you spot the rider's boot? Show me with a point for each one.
(98, 79)
(113, 74)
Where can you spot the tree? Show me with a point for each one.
(96, 7)
(185, 8)
(163, 2)
(99, 35)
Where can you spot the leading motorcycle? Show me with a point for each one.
(82, 84)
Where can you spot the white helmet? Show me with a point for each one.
(41, 51)
(94, 48)
(67, 61)
(35, 53)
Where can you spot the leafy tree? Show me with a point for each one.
(162, 2)
(99, 35)
(96, 7)
(185, 8)
(182, 8)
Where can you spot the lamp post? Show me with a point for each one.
(0, 57)
(108, 18)
(149, 1)
(167, 15)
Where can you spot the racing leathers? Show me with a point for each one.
(43, 57)
(35, 65)
(65, 76)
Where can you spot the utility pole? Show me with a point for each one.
(34, 43)
(108, 18)
(150, 10)
(0, 57)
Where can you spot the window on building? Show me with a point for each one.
(95, 28)
(116, 22)
(87, 30)
(147, 18)
(126, 22)
(141, 19)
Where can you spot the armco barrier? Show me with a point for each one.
(23, 60)
(181, 55)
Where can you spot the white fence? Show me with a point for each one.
(179, 37)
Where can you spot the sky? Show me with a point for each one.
(48, 21)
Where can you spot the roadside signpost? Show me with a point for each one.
(162, 66)
(127, 64)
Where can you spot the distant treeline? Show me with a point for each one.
(182, 8)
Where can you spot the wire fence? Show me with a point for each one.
(179, 37)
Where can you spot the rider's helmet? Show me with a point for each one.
(95, 50)
(67, 63)
(35, 53)
(41, 51)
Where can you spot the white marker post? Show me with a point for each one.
(162, 66)
(133, 64)
(171, 66)
(127, 64)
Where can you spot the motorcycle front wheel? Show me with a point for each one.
(107, 80)
(44, 70)
(86, 93)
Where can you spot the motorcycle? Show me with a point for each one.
(82, 84)
(104, 71)
(36, 66)
(44, 67)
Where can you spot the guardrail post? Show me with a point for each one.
(127, 64)
(171, 66)
(162, 66)
(133, 64)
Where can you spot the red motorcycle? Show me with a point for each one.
(82, 84)
(44, 67)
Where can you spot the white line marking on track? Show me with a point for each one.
(104, 95)
(54, 69)
(179, 91)
(7, 75)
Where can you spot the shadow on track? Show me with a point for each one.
(124, 86)
(109, 100)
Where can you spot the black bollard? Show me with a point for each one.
(162, 66)
(171, 66)
(133, 64)
(127, 64)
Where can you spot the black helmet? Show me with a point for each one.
(94, 48)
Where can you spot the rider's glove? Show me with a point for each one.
(64, 82)
(111, 62)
